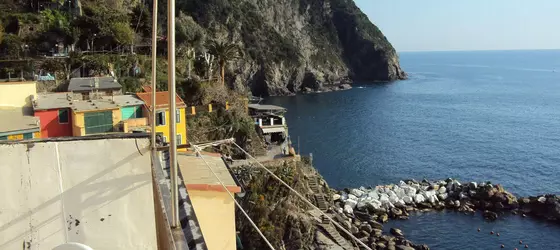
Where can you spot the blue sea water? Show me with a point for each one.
(476, 116)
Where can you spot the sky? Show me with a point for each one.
(442, 25)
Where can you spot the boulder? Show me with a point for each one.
(362, 216)
(352, 197)
(457, 203)
(396, 212)
(377, 232)
(336, 197)
(424, 205)
(473, 185)
(442, 190)
(419, 198)
(384, 218)
(357, 192)
(373, 195)
(442, 196)
(354, 230)
(375, 225)
(362, 234)
(407, 200)
(366, 227)
(351, 203)
(343, 196)
(384, 198)
(400, 203)
(348, 209)
(396, 232)
(381, 245)
(463, 196)
(541, 199)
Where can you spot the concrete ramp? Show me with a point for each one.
(97, 192)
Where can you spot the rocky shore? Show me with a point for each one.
(363, 210)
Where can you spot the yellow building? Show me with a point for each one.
(163, 115)
(214, 208)
(17, 94)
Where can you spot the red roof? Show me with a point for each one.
(162, 98)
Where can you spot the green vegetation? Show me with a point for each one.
(224, 53)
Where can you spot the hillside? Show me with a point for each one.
(285, 46)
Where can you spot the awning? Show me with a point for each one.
(273, 130)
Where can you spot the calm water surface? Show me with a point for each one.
(475, 116)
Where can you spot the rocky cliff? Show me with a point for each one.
(296, 45)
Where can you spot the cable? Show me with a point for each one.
(197, 150)
(303, 198)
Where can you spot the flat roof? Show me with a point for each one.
(197, 176)
(17, 119)
(88, 83)
(266, 107)
(48, 101)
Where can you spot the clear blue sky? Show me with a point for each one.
(438, 25)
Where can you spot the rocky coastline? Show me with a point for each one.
(364, 210)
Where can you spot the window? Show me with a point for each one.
(63, 116)
(179, 139)
(178, 115)
(160, 118)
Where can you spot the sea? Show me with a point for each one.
(471, 115)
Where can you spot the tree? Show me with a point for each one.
(1, 33)
(224, 53)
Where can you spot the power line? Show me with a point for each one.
(197, 150)
(302, 197)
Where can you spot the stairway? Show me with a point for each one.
(333, 233)
(320, 200)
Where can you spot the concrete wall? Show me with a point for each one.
(95, 192)
(51, 127)
(218, 226)
(17, 94)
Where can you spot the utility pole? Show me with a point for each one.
(154, 64)
(172, 112)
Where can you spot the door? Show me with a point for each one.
(98, 122)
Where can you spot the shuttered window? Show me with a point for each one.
(98, 122)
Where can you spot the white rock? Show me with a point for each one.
(400, 203)
(443, 196)
(375, 204)
(362, 188)
(351, 203)
(374, 195)
(457, 203)
(415, 185)
(410, 191)
(473, 185)
(357, 192)
(393, 199)
(400, 193)
(432, 199)
(463, 196)
(430, 193)
(361, 205)
(352, 197)
(336, 197)
(408, 200)
(402, 184)
(384, 198)
(340, 210)
(419, 198)
(442, 190)
(348, 209)
(541, 199)
(343, 196)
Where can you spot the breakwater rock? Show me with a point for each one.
(397, 200)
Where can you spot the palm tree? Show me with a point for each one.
(224, 53)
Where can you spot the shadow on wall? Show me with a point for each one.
(101, 192)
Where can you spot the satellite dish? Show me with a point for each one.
(72, 246)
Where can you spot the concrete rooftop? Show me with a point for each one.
(86, 84)
(197, 176)
(64, 100)
(15, 119)
(264, 107)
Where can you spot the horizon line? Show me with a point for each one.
(472, 50)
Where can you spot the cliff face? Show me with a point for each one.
(296, 45)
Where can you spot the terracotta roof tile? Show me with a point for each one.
(162, 99)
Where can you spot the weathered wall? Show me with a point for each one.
(95, 192)
(78, 127)
(50, 127)
(218, 226)
(181, 126)
(17, 94)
